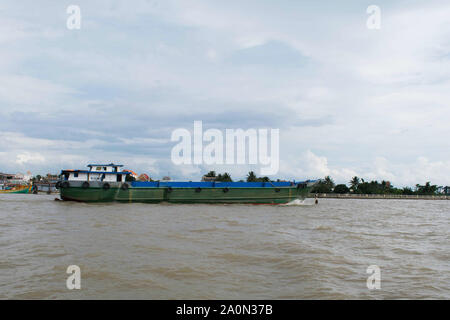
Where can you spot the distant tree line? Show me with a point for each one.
(45, 179)
(226, 177)
(219, 177)
(360, 186)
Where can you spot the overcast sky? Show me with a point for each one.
(347, 100)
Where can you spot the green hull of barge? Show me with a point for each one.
(186, 195)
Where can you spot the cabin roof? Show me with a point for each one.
(95, 172)
(105, 165)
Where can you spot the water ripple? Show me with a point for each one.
(300, 251)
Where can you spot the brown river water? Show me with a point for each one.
(163, 251)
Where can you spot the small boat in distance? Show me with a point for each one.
(5, 188)
(108, 182)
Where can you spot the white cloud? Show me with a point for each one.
(406, 174)
(28, 157)
(25, 93)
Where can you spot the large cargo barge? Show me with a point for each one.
(106, 183)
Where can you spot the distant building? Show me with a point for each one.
(132, 173)
(166, 178)
(52, 178)
(209, 179)
(14, 178)
(6, 176)
(446, 190)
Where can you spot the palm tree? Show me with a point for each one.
(325, 185)
(210, 174)
(226, 177)
(329, 181)
(354, 183)
(251, 177)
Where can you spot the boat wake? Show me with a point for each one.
(298, 202)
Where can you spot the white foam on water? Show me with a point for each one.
(298, 202)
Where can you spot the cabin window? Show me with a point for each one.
(75, 175)
(98, 168)
(66, 176)
(104, 168)
(119, 178)
(103, 177)
(115, 169)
